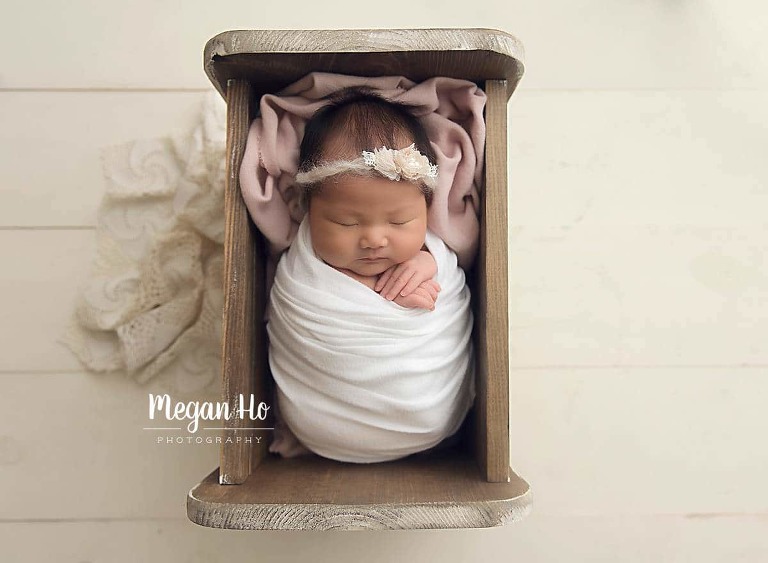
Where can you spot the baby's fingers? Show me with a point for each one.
(433, 284)
(429, 288)
(419, 299)
(397, 282)
(411, 286)
(384, 278)
(389, 278)
(426, 301)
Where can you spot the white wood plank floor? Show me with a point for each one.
(638, 298)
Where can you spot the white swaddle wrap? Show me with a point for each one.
(362, 379)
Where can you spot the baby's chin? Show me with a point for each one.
(370, 269)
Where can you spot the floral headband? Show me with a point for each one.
(396, 164)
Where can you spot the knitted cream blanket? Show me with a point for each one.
(153, 300)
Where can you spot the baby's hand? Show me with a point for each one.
(403, 279)
(423, 297)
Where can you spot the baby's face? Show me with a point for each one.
(367, 224)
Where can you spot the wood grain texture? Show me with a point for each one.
(273, 59)
(239, 265)
(439, 490)
(491, 300)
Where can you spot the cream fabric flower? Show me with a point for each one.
(383, 161)
(411, 163)
(406, 163)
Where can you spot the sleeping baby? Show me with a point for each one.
(369, 364)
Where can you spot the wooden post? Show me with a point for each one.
(491, 324)
(239, 267)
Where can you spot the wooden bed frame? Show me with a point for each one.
(469, 485)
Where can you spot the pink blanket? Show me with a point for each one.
(451, 111)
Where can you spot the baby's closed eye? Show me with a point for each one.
(345, 223)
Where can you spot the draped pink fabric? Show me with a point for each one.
(451, 111)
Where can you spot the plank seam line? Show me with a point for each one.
(94, 519)
(639, 366)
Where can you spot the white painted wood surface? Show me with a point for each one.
(639, 283)
(42, 271)
(539, 539)
(620, 158)
(653, 440)
(51, 173)
(655, 296)
(569, 45)
(88, 457)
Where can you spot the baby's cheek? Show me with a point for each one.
(414, 241)
(337, 245)
(342, 242)
(322, 245)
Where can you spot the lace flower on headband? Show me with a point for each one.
(396, 164)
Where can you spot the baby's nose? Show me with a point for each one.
(374, 238)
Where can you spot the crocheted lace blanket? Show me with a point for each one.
(151, 306)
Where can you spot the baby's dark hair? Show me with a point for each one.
(357, 119)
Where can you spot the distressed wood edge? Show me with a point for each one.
(267, 41)
(237, 364)
(326, 516)
(363, 41)
(494, 348)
